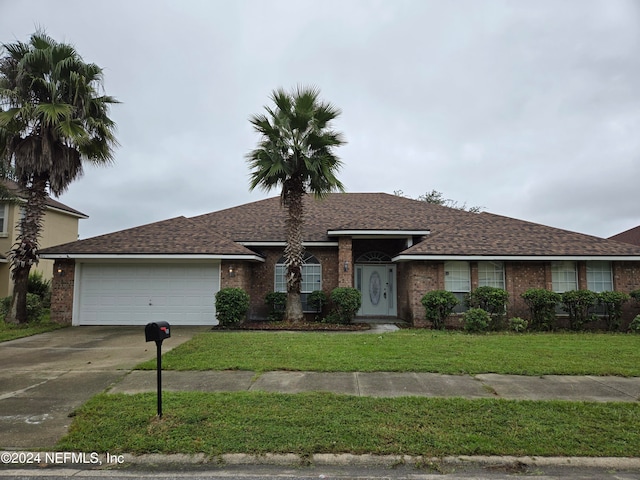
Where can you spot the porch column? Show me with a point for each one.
(345, 262)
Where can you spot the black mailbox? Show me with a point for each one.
(157, 331)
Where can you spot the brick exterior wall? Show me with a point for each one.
(421, 277)
(345, 258)
(626, 278)
(234, 274)
(258, 279)
(414, 280)
(62, 285)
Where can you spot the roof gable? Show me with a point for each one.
(50, 202)
(487, 234)
(628, 236)
(176, 236)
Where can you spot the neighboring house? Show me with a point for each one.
(391, 248)
(631, 236)
(60, 225)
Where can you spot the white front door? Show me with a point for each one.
(377, 286)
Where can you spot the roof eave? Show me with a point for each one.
(609, 258)
(151, 256)
(283, 244)
(377, 233)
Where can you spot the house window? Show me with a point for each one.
(457, 280)
(4, 214)
(564, 276)
(311, 278)
(491, 274)
(599, 276)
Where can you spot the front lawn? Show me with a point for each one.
(9, 331)
(258, 422)
(410, 351)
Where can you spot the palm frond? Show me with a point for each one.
(53, 113)
(295, 150)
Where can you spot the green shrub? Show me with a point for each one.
(317, 300)
(542, 305)
(492, 300)
(346, 303)
(35, 308)
(634, 326)
(517, 324)
(438, 305)
(476, 320)
(578, 304)
(232, 305)
(277, 302)
(635, 294)
(5, 305)
(37, 285)
(612, 302)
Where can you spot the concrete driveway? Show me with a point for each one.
(44, 378)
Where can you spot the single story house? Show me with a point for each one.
(393, 249)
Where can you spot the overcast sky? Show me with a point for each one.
(528, 108)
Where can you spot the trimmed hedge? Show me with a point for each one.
(232, 305)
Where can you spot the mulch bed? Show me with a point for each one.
(298, 327)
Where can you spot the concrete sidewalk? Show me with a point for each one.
(392, 384)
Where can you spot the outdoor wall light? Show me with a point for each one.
(346, 266)
(60, 272)
(232, 272)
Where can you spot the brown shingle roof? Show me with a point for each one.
(453, 232)
(265, 220)
(486, 234)
(15, 190)
(177, 236)
(628, 236)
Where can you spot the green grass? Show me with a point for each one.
(257, 423)
(410, 351)
(11, 332)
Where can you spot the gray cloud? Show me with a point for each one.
(528, 108)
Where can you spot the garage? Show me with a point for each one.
(139, 293)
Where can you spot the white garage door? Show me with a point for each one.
(136, 294)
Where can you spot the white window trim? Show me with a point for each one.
(460, 308)
(283, 285)
(564, 263)
(481, 284)
(5, 224)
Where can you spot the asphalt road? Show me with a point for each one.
(260, 472)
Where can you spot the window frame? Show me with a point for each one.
(484, 279)
(4, 219)
(311, 276)
(460, 290)
(559, 276)
(593, 271)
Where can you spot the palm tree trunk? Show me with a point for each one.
(293, 253)
(25, 252)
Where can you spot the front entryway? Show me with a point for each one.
(377, 283)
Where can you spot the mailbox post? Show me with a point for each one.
(157, 332)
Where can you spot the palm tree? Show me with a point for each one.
(295, 153)
(52, 119)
